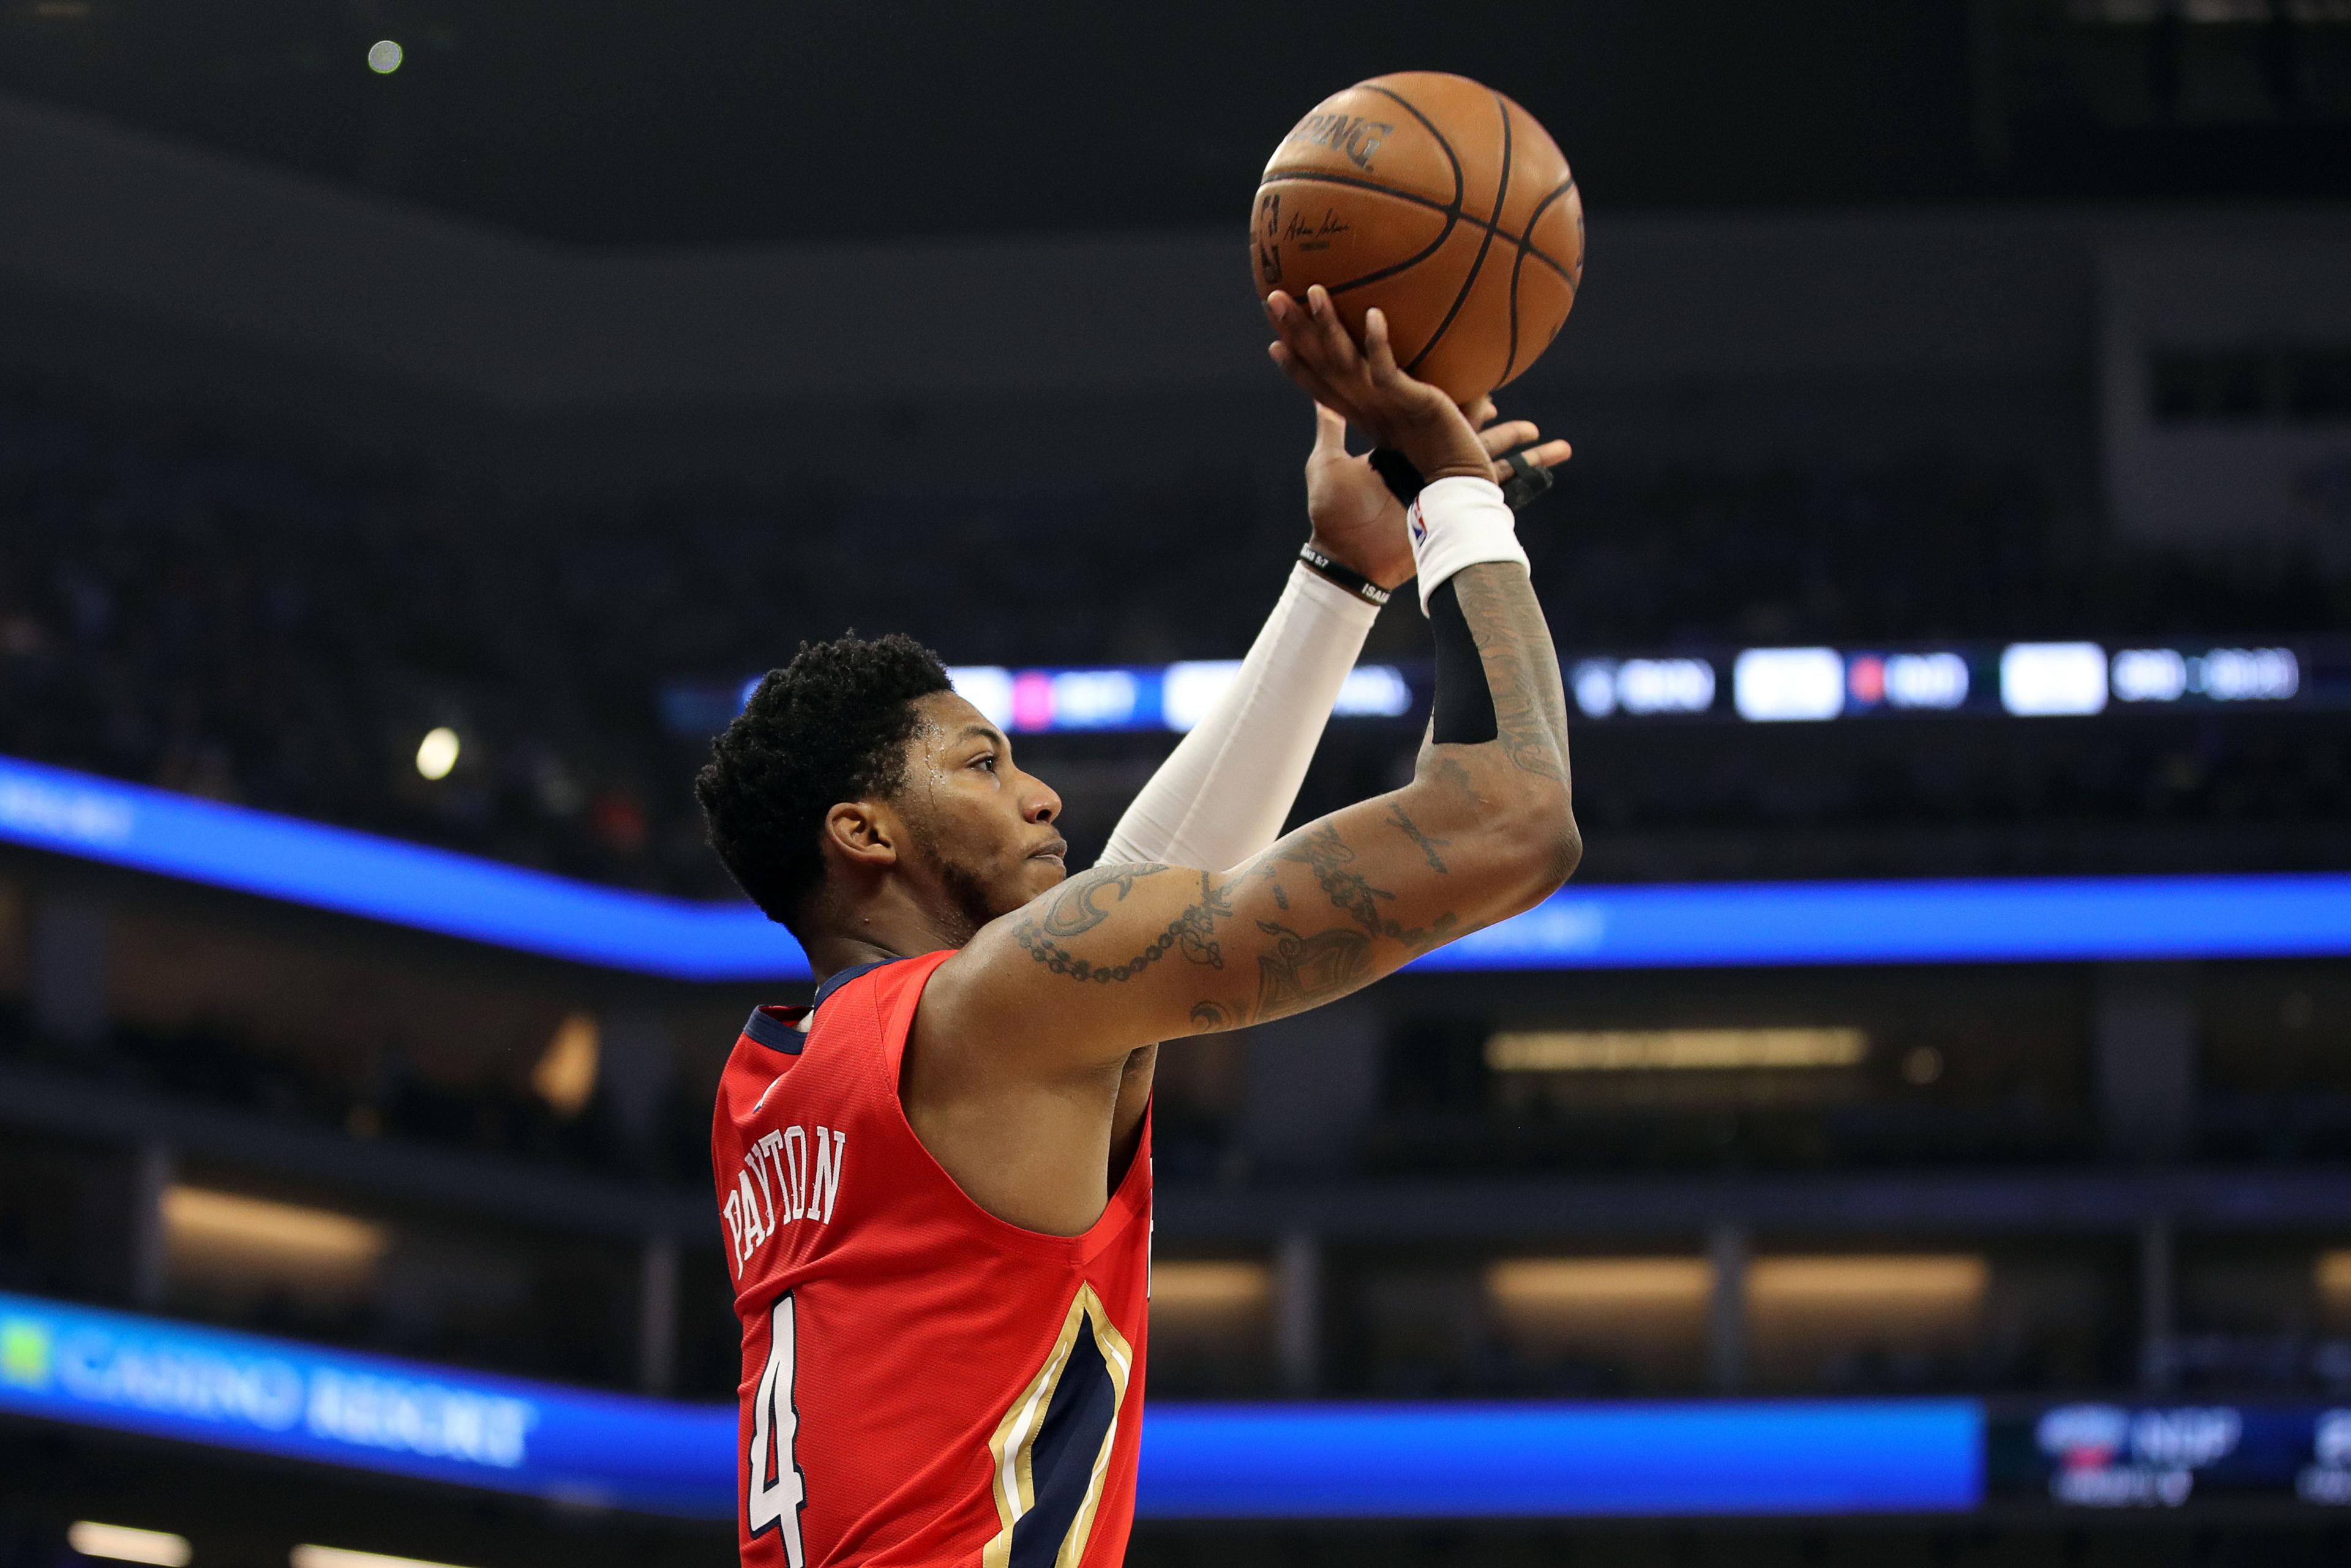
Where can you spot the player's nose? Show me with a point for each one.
(1039, 803)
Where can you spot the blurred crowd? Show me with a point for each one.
(178, 611)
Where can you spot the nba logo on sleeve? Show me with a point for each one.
(1419, 528)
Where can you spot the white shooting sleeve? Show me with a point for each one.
(1224, 794)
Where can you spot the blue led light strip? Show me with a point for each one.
(384, 879)
(2040, 920)
(1977, 921)
(1535, 1461)
(241, 1390)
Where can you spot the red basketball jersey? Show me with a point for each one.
(922, 1382)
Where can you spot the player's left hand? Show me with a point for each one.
(1357, 519)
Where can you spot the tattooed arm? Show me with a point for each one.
(1123, 956)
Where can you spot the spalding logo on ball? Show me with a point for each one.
(1440, 200)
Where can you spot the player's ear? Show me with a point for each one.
(865, 832)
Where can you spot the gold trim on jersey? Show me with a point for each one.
(1015, 1436)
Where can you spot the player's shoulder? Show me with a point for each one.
(848, 1004)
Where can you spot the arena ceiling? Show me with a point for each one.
(730, 121)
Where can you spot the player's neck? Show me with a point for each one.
(886, 927)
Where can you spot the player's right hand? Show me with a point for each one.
(1364, 385)
(1357, 519)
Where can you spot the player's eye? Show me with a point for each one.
(987, 760)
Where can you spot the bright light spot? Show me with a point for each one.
(1922, 1065)
(1779, 685)
(1094, 699)
(2150, 676)
(1647, 1051)
(2038, 680)
(2257, 675)
(384, 56)
(1374, 691)
(1192, 690)
(124, 1545)
(1926, 679)
(228, 1234)
(1594, 682)
(343, 1557)
(437, 752)
(566, 1074)
(1664, 686)
(988, 687)
(1208, 1289)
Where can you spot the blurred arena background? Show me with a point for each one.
(431, 440)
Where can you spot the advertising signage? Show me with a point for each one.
(2126, 1457)
(161, 1379)
(1790, 1458)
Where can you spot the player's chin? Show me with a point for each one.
(1042, 871)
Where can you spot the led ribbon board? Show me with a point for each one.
(408, 885)
(1760, 685)
(1537, 1461)
(2036, 920)
(161, 1379)
(241, 1390)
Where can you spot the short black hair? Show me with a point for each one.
(831, 726)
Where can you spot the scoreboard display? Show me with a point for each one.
(2115, 1455)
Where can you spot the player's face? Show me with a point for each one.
(985, 827)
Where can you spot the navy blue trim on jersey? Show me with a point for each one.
(777, 1028)
(835, 982)
(1061, 1460)
(773, 1032)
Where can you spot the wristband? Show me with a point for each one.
(1460, 522)
(1353, 582)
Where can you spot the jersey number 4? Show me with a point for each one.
(775, 1492)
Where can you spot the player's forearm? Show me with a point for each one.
(1225, 792)
(1497, 765)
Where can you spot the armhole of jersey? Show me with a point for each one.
(896, 1014)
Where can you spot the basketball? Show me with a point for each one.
(1440, 200)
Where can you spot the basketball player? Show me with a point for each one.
(937, 1184)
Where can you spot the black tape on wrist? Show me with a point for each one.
(1463, 713)
(1397, 472)
(1523, 489)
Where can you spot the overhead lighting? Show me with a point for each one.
(2334, 1276)
(1644, 1311)
(221, 1231)
(121, 1543)
(1832, 1283)
(565, 1074)
(343, 1557)
(384, 56)
(1209, 1286)
(436, 754)
(1672, 1049)
(1568, 1284)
